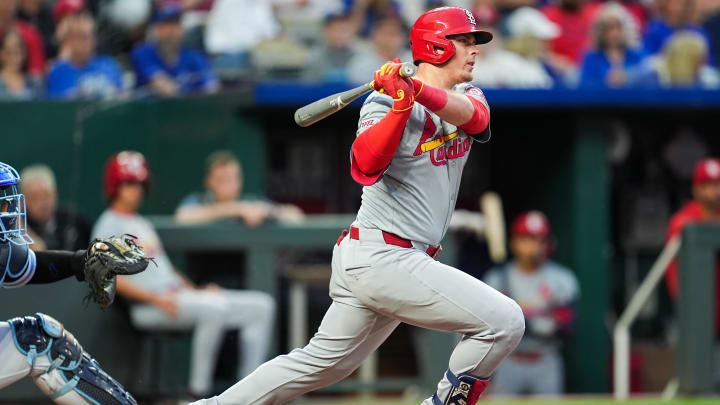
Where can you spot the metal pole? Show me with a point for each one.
(621, 334)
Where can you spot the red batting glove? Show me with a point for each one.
(388, 80)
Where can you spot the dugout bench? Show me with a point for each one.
(318, 232)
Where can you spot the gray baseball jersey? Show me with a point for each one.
(546, 297)
(376, 285)
(416, 195)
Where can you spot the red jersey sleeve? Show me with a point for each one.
(677, 222)
(375, 147)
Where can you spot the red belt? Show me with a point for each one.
(391, 239)
(527, 357)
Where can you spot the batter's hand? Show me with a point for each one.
(389, 81)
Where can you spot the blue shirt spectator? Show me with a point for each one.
(100, 77)
(658, 31)
(614, 36)
(165, 66)
(673, 16)
(191, 70)
(596, 67)
(80, 73)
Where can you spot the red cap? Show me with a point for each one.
(431, 29)
(531, 223)
(66, 7)
(707, 170)
(124, 167)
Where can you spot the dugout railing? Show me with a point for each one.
(696, 254)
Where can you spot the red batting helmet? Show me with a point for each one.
(531, 223)
(430, 32)
(125, 167)
(706, 170)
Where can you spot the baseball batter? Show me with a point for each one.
(38, 345)
(414, 137)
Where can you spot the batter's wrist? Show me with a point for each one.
(430, 97)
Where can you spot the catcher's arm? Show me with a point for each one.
(56, 265)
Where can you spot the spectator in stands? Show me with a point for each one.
(614, 51)
(234, 28)
(547, 293)
(32, 40)
(683, 63)
(329, 60)
(366, 13)
(705, 207)
(13, 82)
(389, 41)
(83, 74)
(194, 18)
(223, 197)
(673, 16)
(62, 10)
(529, 35)
(51, 228)
(302, 20)
(166, 66)
(163, 299)
(37, 13)
(574, 17)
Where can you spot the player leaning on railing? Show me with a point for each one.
(414, 140)
(37, 345)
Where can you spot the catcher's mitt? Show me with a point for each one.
(106, 258)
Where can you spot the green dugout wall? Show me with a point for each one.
(570, 182)
(76, 140)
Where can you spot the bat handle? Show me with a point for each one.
(408, 69)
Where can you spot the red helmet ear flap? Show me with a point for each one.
(432, 43)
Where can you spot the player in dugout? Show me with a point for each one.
(547, 292)
(224, 197)
(164, 299)
(705, 207)
(414, 138)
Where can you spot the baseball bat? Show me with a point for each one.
(325, 107)
(491, 206)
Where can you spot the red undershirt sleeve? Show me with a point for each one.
(480, 118)
(374, 148)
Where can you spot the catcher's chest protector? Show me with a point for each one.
(17, 264)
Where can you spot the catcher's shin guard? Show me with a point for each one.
(465, 389)
(73, 377)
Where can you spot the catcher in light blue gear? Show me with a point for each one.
(37, 345)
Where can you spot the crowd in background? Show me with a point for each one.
(101, 49)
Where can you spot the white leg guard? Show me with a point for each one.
(60, 367)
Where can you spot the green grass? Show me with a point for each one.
(573, 401)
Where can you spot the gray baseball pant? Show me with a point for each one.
(374, 287)
(209, 314)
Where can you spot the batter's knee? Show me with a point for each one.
(513, 327)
